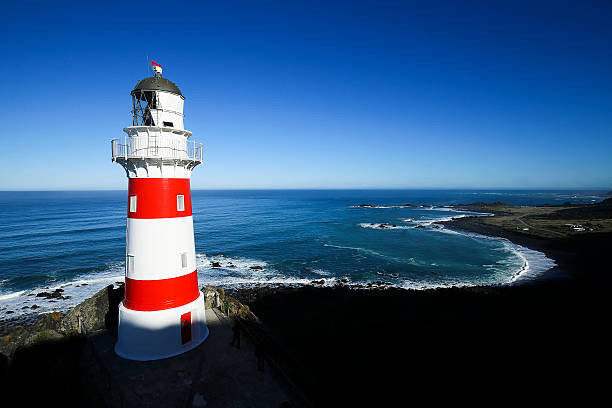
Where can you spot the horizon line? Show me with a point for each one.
(338, 189)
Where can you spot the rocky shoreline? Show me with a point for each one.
(336, 342)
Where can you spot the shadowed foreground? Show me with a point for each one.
(75, 369)
(542, 342)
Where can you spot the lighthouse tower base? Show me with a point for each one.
(154, 335)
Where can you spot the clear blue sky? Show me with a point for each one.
(317, 94)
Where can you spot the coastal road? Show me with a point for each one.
(520, 219)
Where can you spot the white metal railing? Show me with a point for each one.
(157, 148)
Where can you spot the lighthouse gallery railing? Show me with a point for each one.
(190, 150)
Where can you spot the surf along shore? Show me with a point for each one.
(542, 340)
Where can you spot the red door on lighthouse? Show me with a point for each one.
(186, 327)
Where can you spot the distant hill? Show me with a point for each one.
(609, 193)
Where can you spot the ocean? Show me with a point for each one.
(75, 240)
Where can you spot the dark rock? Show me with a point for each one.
(96, 313)
(25, 307)
(9, 312)
(318, 282)
(215, 264)
(231, 265)
(56, 294)
(44, 336)
(256, 268)
(379, 283)
(35, 307)
(49, 321)
(365, 205)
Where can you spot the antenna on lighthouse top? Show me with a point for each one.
(157, 68)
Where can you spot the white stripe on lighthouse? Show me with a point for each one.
(157, 246)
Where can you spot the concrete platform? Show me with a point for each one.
(215, 374)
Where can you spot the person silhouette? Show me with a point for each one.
(236, 338)
(260, 353)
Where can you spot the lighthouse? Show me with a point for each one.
(162, 313)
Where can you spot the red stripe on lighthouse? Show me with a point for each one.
(150, 295)
(157, 197)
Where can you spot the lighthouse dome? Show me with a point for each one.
(156, 83)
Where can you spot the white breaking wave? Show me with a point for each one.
(461, 214)
(246, 272)
(534, 263)
(21, 303)
(233, 272)
(12, 295)
(382, 226)
(429, 222)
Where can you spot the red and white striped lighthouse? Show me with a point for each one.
(162, 313)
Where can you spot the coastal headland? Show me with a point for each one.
(542, 341)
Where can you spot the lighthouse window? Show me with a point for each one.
(180, 203)
(130, 265)
(132, 203)
(184, 260)
(168, 124)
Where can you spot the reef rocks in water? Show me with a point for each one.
(215, 264)
(384, 226)
(56, 294)
(408, 205)
(318, 282)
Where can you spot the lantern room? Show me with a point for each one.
(157, 102)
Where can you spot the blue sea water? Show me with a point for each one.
(76, 241)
